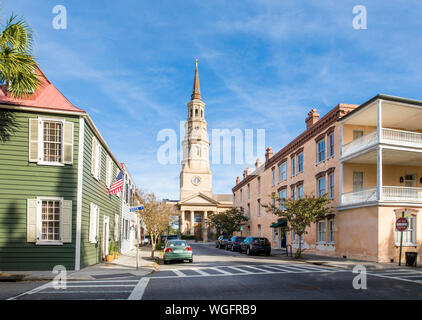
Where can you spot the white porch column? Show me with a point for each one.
(379, 173)
(192, 230)
(182, 222)
(379, 150)
(341, 183)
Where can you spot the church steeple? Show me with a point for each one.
(196, 92)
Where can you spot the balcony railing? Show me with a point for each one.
(390, 136)
(389, 193)
(363, 196)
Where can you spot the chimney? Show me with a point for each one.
(248, 170)
(237, 180)
(258, 163)
(269, 154)
(312, 118)
(244, 174)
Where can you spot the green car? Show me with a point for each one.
(177, 250)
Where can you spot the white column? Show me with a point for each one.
(341, 139)
(192, 230)
(379, 150)
(341, 183)
(182, 222)
(205, 227)
(379, 173)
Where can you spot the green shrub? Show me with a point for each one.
(188, 237)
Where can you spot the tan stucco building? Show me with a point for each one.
(197, 201)
(368, 159)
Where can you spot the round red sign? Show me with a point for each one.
(402, 224)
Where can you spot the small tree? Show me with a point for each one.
(301, 213)
(156, 216)
(229, 221)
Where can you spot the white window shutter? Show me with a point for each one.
(98, 160)
(31, 220)
(97, 223)
(116, 227)
(92, 223)
(66, 221)
(33, 140)
(68, 143)
(108, 171)
(93, 157)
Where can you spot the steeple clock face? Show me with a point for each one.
(196, 181)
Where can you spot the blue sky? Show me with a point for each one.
(262, 64)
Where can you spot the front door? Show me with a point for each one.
(106, 235)
(281, 238)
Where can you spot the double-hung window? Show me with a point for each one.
(331, 145)
(300, 191)
(241, 196)
(282, 172)
(273, 176)
(281, 195)
(357, 181)
(249, 211)
(321, 186)
(259, 184)
(300, 162)
(249, 191)
(293, 166)
(331, 186)
(259, 207)
(409, 235)
(94, 219)
(293, 193)
(320, 150)
(259, 230)
(331, 230)
(50, 220)
(52, 141)
(321, 231)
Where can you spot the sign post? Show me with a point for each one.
(133, 209)
(401, 225)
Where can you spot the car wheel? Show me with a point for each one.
(191, 260)
(166, 262)
(248, 252)
(268, 253)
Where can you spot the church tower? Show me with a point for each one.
(196, 175)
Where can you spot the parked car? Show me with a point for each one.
(234, 243)
(177, 250)
(222, 241)
(255, 245)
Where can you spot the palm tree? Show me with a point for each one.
(17, 65)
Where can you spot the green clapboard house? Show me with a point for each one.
(55, 173)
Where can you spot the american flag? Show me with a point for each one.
(116, 187)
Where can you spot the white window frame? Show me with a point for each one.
(321, 239)
(97, 159)
(97, 222)
(410, 233)
(282, 172)
(300, 167)
(320, 151)
(39, 221)
(41, 161)
(331, 144)
(331, 231)
(318, 186)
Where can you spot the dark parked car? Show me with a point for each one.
(222, 241)
(234, 243)
(255, 245)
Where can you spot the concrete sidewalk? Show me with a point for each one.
(124, 264)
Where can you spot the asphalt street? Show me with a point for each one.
(218, 274)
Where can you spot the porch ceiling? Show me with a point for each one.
(390, 157)
(394, 115)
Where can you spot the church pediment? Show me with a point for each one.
(199, 199)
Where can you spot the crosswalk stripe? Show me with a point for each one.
(102, 281)
(285, 267)
(220, 270)
(102, 286)
(402, 273)
(179, 273)
(274, 268)
(103, 292)
(200, 271)
(318, 268)
(259, 269)
(238, 269)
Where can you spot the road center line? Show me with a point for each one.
(139, 290)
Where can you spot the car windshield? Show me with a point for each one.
(177, 243)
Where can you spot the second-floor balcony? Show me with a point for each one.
(389, 194)
(388, 136)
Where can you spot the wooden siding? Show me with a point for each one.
(21, 180)
(96, 192)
